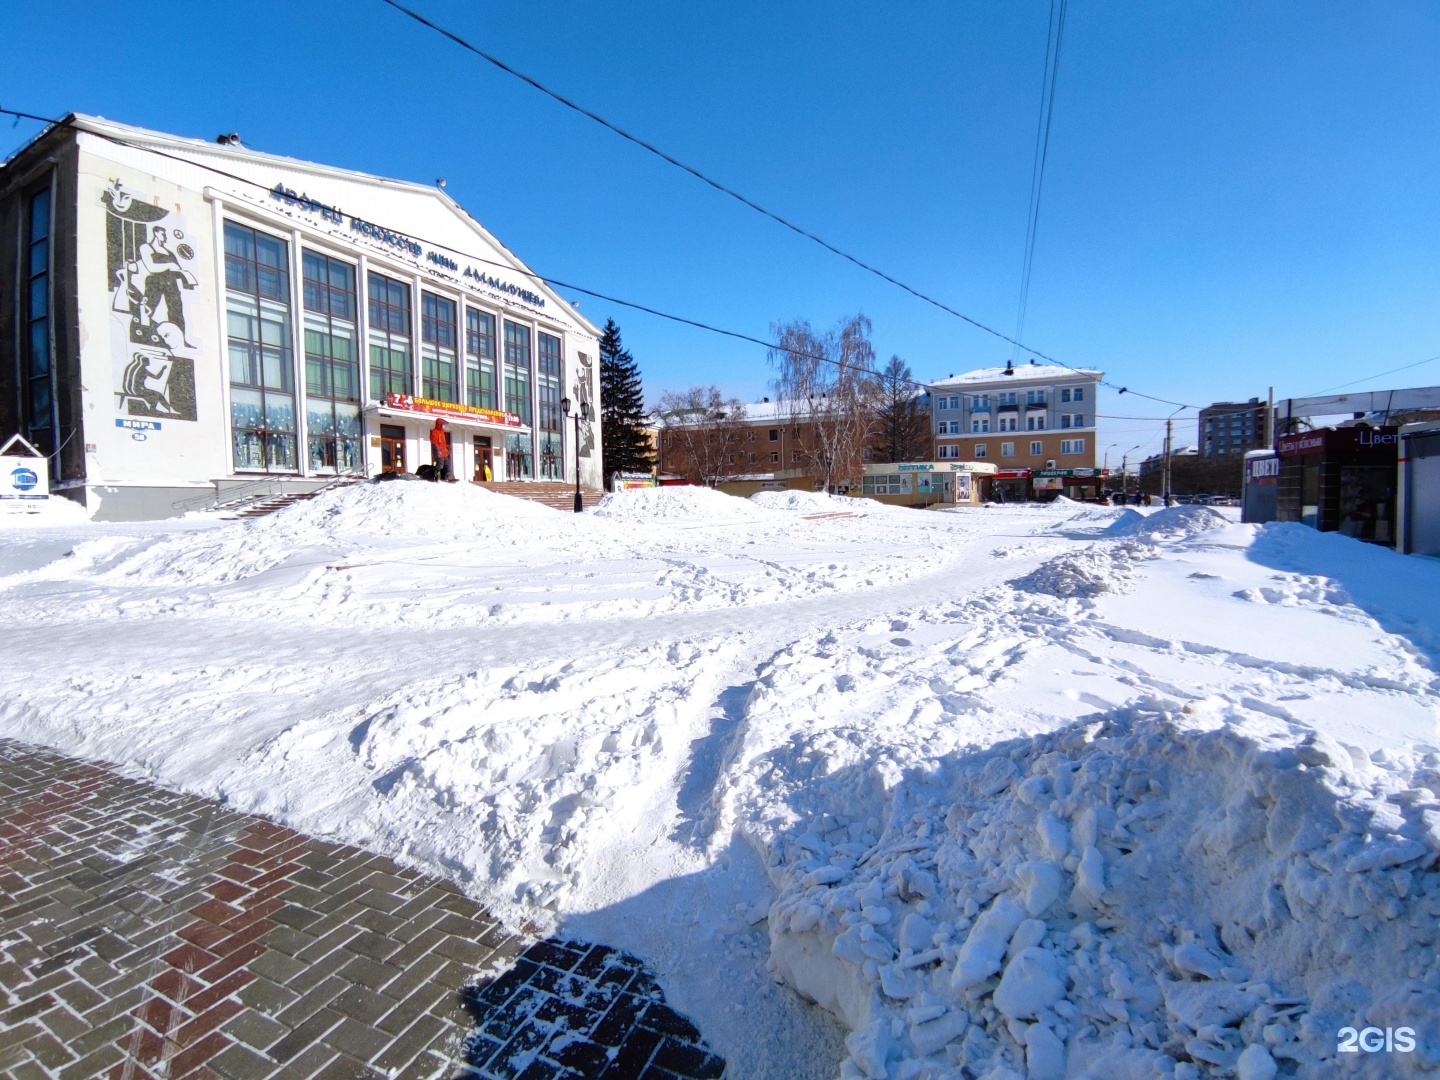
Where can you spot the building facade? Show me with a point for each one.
(1231, 428)
(1035, 423)
(766, 446)
(189, 315)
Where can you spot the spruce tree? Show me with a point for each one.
(625, 445)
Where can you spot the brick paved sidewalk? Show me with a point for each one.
(145, 933)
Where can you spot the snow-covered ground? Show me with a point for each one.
(1055, 791)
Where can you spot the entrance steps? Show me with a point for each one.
(557, 496)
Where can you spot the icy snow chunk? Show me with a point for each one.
(1040, 884)
(1044, 1054)
(933, 1036)
(1380, 856)
(1201, 1004)
(869, 1048)
(823, 875)
(1196, 959)
(915, 933)
(1090, 877)
(1173, 521)
(674, 503)
(985, 945)
(1054, 837)
(1256, 1064)
(1028, 933)
(1032, 981)
(996, 775)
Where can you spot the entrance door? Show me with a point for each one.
(484, 461)
(392, 449)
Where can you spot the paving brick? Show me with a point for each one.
(241, 1063)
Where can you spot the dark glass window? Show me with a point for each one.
(390, 341)
(39, 360)
(517, 370)
(548, 380)
(437, 348)
(332, 366)
(480, 360)
(261, 352)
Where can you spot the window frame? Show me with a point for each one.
(477, 394)
(278, 448)
(380, 334)
(339, 450)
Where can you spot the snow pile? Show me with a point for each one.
(673, 503)
(1174, 522)
(333, 522)
(1153, 895)
(814, 502)
(56, 510)
(1093, 571)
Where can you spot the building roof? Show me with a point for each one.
(1021, 373)
(224, 157)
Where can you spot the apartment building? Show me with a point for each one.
(1230, 428)
(1035, 423)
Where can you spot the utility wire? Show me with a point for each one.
(523, 271)
(1377, 375)
(717, 185)
(1054, 36)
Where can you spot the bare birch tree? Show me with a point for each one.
(827, 385)
(704, 428)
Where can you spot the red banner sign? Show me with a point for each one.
(451, 410)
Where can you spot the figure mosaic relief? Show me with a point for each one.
(152, 284)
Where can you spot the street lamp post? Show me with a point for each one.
(582, 414)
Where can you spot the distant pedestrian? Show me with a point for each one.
(440, 449)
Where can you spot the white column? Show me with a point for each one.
(297, 335)
(362, 350)
(217, 212)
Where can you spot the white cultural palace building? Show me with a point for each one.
(179, 316)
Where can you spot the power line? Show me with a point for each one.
(703, 178)
(1054, 35)
(525, 272)
(1377, 375)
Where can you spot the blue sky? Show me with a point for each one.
(1238, 195)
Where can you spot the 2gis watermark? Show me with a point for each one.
(1374, 1040)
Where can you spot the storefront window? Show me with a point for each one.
(517, 457)
(332, 371)
(517, 370)
(480, 360)
(437, 348)
(390, 342)
(261, 354)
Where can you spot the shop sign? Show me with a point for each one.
(1049, 483)
(1312, 442)
(1352, 440)
(1262, 470)
(922, 467)
(1011, 474)
(23, 478)
(451, 410)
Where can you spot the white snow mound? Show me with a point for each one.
(1148, 895)
(1104, 568)
(814, 502)
(333, 521)
(673, 503)
(1173, 521)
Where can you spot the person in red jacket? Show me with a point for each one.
(440, 449)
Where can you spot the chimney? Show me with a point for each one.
(1009, 368)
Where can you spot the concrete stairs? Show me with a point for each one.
(557, 496)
